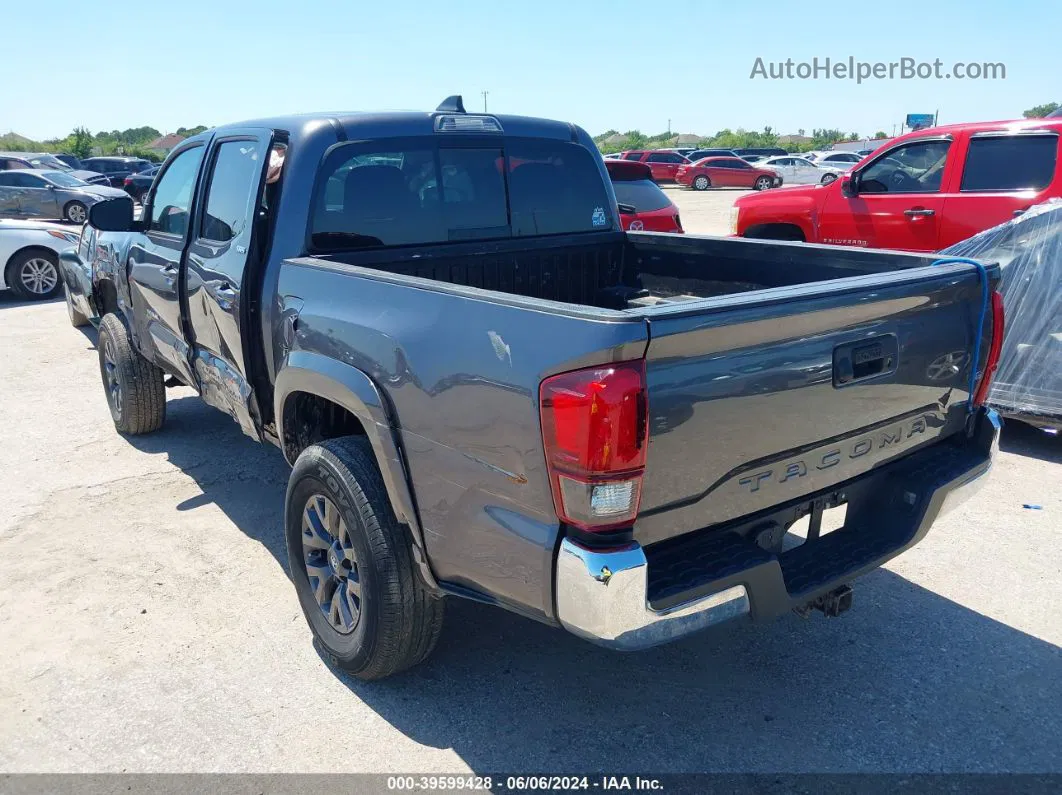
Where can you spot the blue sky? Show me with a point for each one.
(601, 65)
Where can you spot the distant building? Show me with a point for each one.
(791, 140)
(687, 139)
(616, 139)
(162, 146)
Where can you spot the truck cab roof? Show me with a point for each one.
(357, 125)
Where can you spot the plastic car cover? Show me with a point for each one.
(1028, 382)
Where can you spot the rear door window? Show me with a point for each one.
(233, 191)
(427, 193)
(643, 194)
(1010, 162)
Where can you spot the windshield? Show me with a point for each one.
(47, 161)
(424, 191)
(643, 194)
(64, 180)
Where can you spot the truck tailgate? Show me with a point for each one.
(761, 398)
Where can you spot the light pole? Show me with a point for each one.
(484, 93)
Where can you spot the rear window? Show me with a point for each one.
(427, 191)
(1013, 162)
(644, 194)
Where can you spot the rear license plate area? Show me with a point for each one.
(823, 518)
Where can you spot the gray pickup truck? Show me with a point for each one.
(486, 389)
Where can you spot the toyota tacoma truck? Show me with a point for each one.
(487, 389)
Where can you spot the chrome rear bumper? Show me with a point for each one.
(602, 596)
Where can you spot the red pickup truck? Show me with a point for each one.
(923, 191)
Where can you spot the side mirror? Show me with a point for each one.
(628, 209)
(849, 185)
(112, 215)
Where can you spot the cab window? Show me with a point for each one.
(917, 167)
(233, 190)
(430, 192)
(171, 199)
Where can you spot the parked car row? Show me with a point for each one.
(62, 187)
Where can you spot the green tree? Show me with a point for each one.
(879, 135)
(80, 141)
(188, 132)
(1039, 111)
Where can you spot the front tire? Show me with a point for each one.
(762, 183)
(702, 183)
(75, 212)
(134, 386)
(352, 564)
(828, 178)
(77, 320)
(34, 275)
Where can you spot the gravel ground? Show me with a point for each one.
(148, 624)
(705, 212)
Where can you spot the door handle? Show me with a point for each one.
(919, 213)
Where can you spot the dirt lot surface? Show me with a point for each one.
(705, 212)
(148, 624)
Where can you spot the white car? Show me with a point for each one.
(29, 254)
(798, 171)
(841, 159)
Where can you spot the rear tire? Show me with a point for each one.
(133, 385)
(75, 212)
(352, 564)
(34, 275)
(701, 183)
(77, 320)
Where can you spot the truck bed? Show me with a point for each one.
(631, 271)
(785, 370)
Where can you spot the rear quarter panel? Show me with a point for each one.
(459, 370)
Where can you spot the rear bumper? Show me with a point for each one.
(633, 598)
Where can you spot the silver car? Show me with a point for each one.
(50, 194)
(49, 162)
(29, 256)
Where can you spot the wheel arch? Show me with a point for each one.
(26, 249)
(777, 230)
(336, 399)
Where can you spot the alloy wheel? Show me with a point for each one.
(110, 375)
(331, 564)
(38, 276)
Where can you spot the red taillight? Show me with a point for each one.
(595, 434)
(993, 352)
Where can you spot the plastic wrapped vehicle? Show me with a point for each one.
(1028, 383)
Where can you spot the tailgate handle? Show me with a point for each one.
(858, 361)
